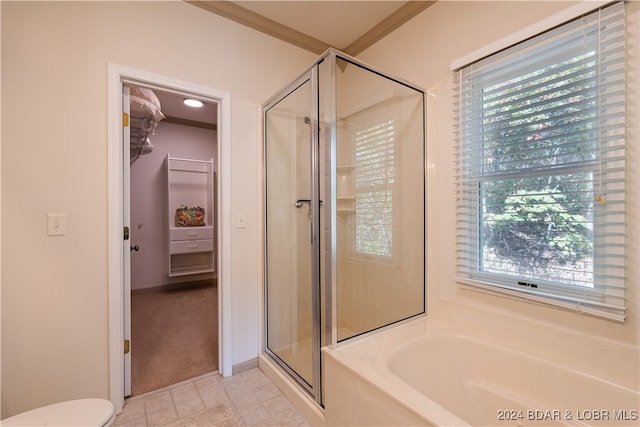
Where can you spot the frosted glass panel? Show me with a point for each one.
(379, 201)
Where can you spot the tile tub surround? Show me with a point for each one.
(245, 399)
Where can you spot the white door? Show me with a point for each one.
(126, 262)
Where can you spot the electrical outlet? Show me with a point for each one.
(56, 225)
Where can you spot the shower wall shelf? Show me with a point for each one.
(346, 200)
(346, 206)
(190, 183)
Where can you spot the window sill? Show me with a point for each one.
(524, 296)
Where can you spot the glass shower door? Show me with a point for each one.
(289, 269)
(344, 185)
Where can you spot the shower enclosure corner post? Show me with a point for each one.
(263, 231)
(315, 236)
(330, 278)
(426, 183)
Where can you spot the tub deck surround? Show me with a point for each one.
(545, 338)
(427, 372)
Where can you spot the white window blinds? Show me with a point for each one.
(541, 167)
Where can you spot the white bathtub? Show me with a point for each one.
(425, 373)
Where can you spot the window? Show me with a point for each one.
(374, 182)
(541, 167)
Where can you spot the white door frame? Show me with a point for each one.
(117, 75)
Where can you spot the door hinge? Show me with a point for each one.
(126, 233)
(127, 346)
(125, 120)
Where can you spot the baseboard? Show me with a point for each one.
(177, 286)
(300, 399)
(244, 366)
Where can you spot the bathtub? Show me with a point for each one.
(427, 373)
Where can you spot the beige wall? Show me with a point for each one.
(421, 52)
(54, 160)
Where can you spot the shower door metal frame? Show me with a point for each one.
(311, 76)
(324, 275)
(331, 280)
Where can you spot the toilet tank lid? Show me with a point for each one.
(81, 412)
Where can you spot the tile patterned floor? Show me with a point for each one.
(246, 399)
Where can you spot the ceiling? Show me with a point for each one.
(349, 26)
(176, 112)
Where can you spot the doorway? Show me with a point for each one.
(172, 165)
(119, 248)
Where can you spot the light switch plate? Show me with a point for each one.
(56, 225)
(241, 220)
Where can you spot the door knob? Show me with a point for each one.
(135, 248)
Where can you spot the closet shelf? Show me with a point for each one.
(190, 184)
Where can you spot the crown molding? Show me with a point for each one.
(260, 23)
(231, 10)
(389, 24)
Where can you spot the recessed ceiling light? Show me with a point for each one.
(193, 103)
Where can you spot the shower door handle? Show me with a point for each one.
(298, 205)
(300, 202)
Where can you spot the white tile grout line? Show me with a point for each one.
(150, 394)
(171, 386)
(223, 382)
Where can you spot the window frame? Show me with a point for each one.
(470, 249)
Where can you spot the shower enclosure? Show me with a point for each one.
(344, 217)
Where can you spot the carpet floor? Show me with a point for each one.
(174, 335)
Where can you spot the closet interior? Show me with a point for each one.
(172, 169)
